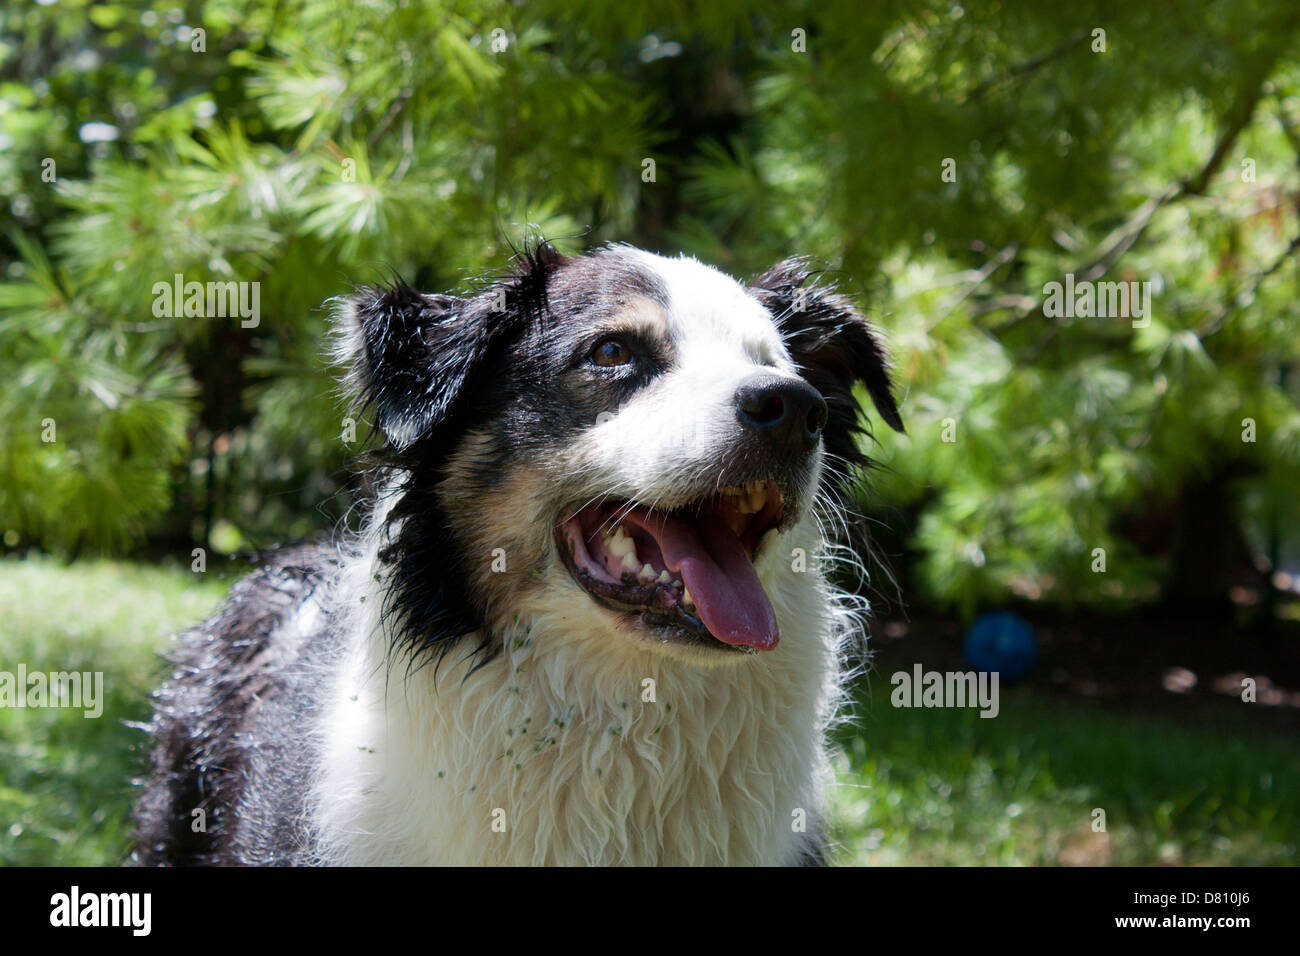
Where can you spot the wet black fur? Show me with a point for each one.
(512, 374)
(221, 726)
(449, 354)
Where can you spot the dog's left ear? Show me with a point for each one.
(834, 347)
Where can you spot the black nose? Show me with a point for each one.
(788, 413)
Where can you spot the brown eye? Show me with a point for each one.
(611, 352)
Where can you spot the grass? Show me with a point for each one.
(65, 780)
(915, 786)
(947, 787)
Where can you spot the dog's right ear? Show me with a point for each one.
(416, 358)
(408, 355)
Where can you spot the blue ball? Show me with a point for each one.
(1002, 642)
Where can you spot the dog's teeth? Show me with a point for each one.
(664, 577)
(686, 597)
(647, 573)
(620, 544)
(624, 548)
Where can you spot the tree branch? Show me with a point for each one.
(1028, 67)
(1248, 292)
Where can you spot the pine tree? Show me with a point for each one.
(947, 164)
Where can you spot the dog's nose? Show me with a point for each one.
(787, 413)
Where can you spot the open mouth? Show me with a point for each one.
(689, 570)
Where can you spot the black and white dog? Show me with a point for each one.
(584, 622)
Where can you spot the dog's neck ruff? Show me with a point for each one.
(574, 745)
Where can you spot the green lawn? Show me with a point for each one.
(65, 795)
(944, 786)
(916, 786)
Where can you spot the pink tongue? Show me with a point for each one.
(716, 568)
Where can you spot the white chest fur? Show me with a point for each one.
(576, 745)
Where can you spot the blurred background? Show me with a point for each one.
(1122, 499)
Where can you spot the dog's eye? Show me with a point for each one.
(611, 352)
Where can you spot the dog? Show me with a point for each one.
(584, 621)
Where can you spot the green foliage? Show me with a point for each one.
(312, 144)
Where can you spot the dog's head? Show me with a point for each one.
(627, 433)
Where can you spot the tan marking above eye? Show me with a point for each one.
(642, 319)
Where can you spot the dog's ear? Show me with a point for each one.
(834, 347)
(416, 357)
(406, 354)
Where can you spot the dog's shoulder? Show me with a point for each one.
(234, 676)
